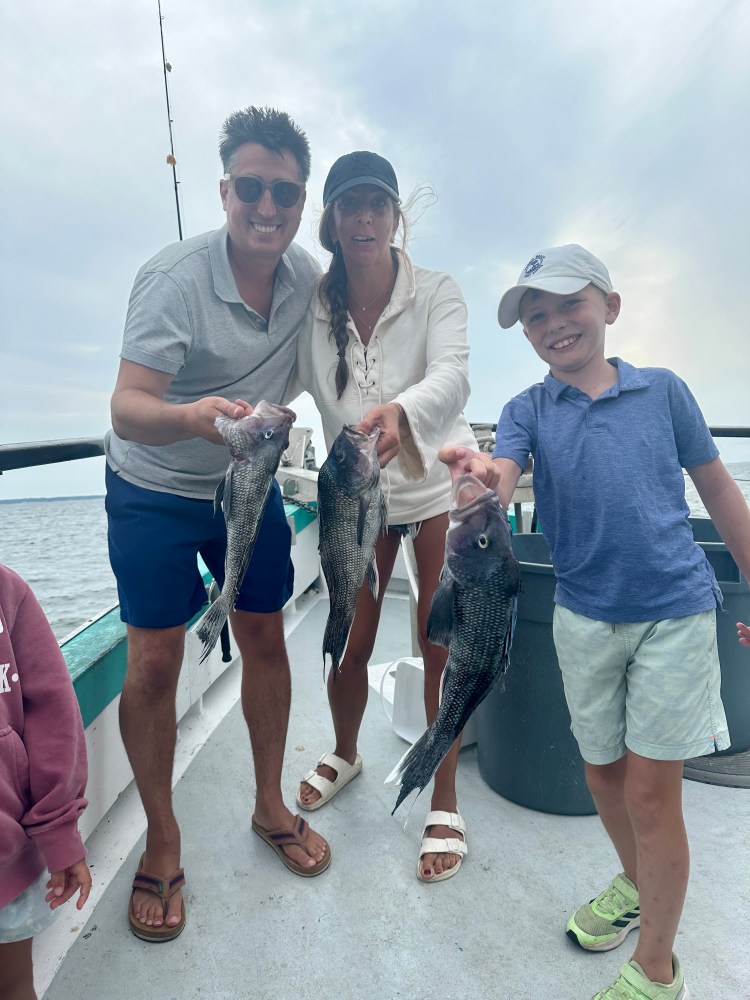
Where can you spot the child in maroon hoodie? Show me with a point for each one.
(42, 780)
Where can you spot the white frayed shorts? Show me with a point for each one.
(650, 687)
(28, 914)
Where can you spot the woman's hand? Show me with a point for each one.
(388, 419)
(743, 634)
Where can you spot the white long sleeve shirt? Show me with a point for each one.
(417, 357)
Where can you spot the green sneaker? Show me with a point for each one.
(634, 984)
(605, 922)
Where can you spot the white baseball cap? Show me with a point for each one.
(561, 270)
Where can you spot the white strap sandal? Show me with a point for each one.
(443, 845)
(327, 788)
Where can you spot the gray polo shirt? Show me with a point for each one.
(186, 318)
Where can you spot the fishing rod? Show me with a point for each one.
(171, 158)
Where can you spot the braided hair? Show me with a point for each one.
(334, 294)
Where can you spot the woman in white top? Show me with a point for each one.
(384, 342)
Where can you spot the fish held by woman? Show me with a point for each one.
(473, 613)
(352, 513)
(255, 443)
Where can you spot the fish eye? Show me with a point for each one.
(483, 541)
(268, 434)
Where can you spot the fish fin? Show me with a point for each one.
(364, 506)
(419, 763)
(327, 565)
(508, 642)
(384, 513)
(373, 580)
(334, 643)
(440, 619)
(219, 494)
(208, 627)
(393, 777)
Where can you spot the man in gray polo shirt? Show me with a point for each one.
(211, 329)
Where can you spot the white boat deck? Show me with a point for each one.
(367, 927)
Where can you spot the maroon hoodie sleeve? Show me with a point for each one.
(53, 738)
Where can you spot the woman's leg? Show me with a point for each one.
(16, 973)
(429, 550)
(347, 694)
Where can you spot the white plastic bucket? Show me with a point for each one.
(406, 712)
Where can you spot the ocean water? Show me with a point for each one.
(59, 546)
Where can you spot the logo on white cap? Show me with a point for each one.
(533, 266)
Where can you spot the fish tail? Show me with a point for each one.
(335, 639)
(208, 628)
(419, 763)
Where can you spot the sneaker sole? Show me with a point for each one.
(589, 943)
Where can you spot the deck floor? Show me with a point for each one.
(367, 928)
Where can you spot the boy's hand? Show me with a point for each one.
(743, 634)
(63, 884)
(462, 460)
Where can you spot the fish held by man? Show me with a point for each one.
(352, 513)
(473, 613)
(255, 443)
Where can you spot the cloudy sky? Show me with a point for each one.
(622, 125)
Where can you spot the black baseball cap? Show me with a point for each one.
(360, 167)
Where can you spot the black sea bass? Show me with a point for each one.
(352, 513)
(473, 613)
(255, 444)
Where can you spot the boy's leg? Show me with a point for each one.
(148, 726)
(653, 793)
(593, 659)
(16, 972)
(607, 786)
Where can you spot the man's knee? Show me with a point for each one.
(259, 637)
(154, 660)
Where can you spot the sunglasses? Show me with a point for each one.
(250, 189)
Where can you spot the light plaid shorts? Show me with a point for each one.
(650, 687)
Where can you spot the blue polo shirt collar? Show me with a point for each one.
(628, 378)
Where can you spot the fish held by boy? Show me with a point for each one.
(473, 613)
(255, 443)
(352, 513)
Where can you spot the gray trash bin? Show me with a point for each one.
(525, 748)
(735, 659)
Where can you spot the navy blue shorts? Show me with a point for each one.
(154, 541)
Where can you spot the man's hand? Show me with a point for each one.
(743, 634)
(139, 412)
(387, 418)
(462, 460)
(64, 883)
(201, 416)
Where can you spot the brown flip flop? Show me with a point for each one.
(164, 889)
(297, 835)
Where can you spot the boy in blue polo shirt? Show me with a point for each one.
(635, 602)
